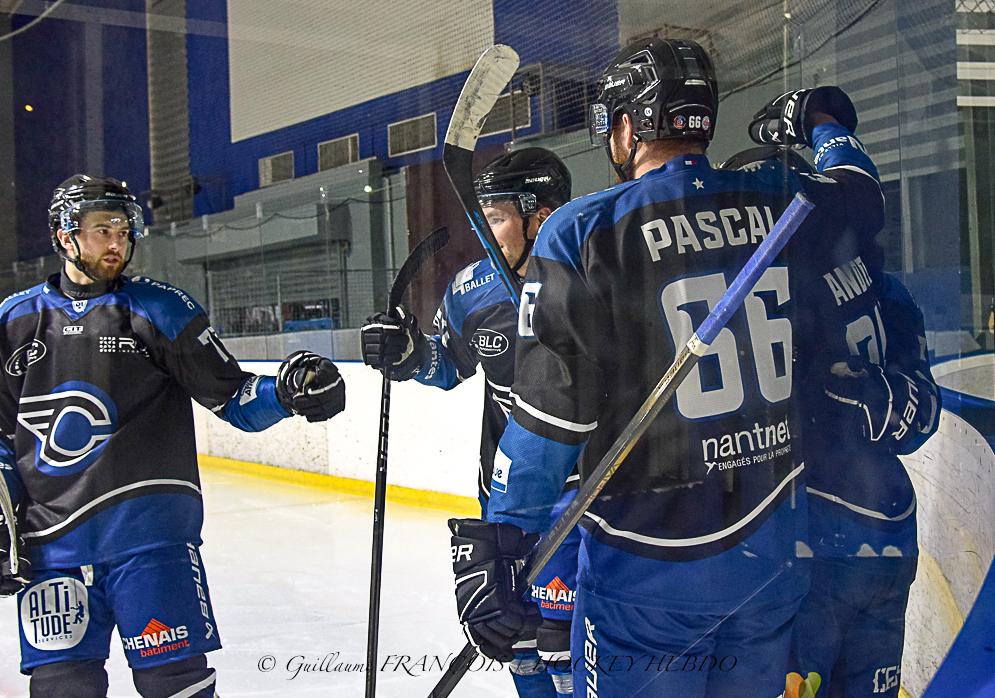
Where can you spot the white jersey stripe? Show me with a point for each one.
(550, 419)
(862, 510)
(698, 540)
(103, 498)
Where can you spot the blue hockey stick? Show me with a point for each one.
(687, 358)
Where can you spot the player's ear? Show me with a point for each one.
(64, 241)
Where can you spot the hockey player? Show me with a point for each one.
(867, 397)
(687, 580)
(475, 325)
(98, 459)
(872, 383)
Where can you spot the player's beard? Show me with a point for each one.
(103, 269)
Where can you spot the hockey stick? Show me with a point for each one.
(686, 360)
(7, 511)
(488, 78)
(422, 252)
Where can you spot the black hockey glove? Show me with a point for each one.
(12, 581)
(786, 119)
(310, 385)
(491, 597)
(882, 406)
(393, 341)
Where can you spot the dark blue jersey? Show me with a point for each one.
(475, 326)
(862, 501)
(96, 419)
(616, 285)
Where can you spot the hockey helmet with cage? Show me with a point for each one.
(531, 178)
(81, 194)
(666, 86)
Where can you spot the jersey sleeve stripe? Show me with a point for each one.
(551, 419)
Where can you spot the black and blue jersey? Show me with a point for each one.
(862, 502)
(96, 423)
(617, 283)
(475, 325)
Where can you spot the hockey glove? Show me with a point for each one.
(490, 596)
(15, 567)
(310, 385)
(393, 341)
(786, 119)
(881, 406)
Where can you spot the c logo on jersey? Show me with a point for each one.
(489, 343)
(32, 352)
(72, 425)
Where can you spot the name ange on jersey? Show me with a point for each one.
(710, 230)
(848, 280)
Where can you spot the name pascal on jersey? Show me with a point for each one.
(710, 230)
(848, 280)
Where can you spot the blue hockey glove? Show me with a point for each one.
(311, 386)
(393, 341)
(882, 406)
(786, 119)
(491, 598)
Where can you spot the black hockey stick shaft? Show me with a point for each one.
(685, 361)
(422, 252)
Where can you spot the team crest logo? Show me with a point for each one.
(489, 343)
(79, 306)
(679, 122)
(55, 613)
(32, 352)
(72, 424)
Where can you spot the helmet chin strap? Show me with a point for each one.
(78, 261)
(624, 170)
(528, 245)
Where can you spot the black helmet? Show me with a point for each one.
(82, 193)
(531, 177)
(753, 157)
(666, 86)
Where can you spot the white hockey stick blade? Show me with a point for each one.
(490, 75)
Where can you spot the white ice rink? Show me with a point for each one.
(288, 568)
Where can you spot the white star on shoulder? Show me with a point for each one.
(698, 184)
